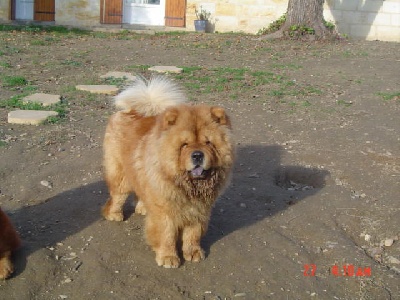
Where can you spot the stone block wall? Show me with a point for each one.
(79, 13)
(365, 19)
(4, 11)
(237, 16)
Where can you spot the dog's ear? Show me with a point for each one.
(219, 116)
(170, 117)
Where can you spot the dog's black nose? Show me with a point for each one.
(197, 157)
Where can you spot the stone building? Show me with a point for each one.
(366, 19)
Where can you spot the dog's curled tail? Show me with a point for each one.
(150, 97)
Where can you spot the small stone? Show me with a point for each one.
(46, 184)
(393, 260)
(240, 295)
(338, 182)
(77, 265)
(388, 242)
(255, 175)
(376, 251)
(63, 297)
(367, 237)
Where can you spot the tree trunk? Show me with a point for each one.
(304, 14)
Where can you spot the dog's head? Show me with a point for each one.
(196, 140)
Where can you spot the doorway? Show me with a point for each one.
(143, 12)
(34, 10)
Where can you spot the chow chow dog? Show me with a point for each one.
(175, 157)
(9, 241)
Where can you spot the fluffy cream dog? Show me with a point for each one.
(177, 159)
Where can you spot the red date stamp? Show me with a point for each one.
(348, 270)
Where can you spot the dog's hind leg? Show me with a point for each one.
(140, 209)
(112, 210)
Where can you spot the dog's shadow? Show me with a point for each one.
(260, 187)
(46, 224)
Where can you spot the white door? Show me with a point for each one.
(144, 12)
(24, 9)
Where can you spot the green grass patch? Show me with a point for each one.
(13, 81)
(7, 50)
(171, 33)
(70, 62)
(5, 64)
(237, 83)
(288, 66)
(16, 102)
(294, 30)
(390, 96)
(139, 68)
(38, 28)
(38, 43)
(190, 70)
(345, 103)
(119, 82)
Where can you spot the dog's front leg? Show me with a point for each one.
(161, 234)
(191, 248)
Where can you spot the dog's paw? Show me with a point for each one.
(113, 216)
(140, 209)
(195, 254)
(6, 268)
(168, 261)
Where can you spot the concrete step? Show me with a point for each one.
(119, 75)
(44, 99)
(30, 117)
(166, 69)
(99, 89)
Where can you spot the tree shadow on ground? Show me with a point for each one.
(260, 187)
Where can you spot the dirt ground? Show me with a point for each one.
(315, 190)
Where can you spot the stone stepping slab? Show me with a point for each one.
(119, 75)
(166, 69)
(99, 89)
(30, 117)
(44, 99)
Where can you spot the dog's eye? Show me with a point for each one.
(184, 145)
(208, 143)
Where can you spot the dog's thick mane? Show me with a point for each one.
(150, 97)
(208, 189)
